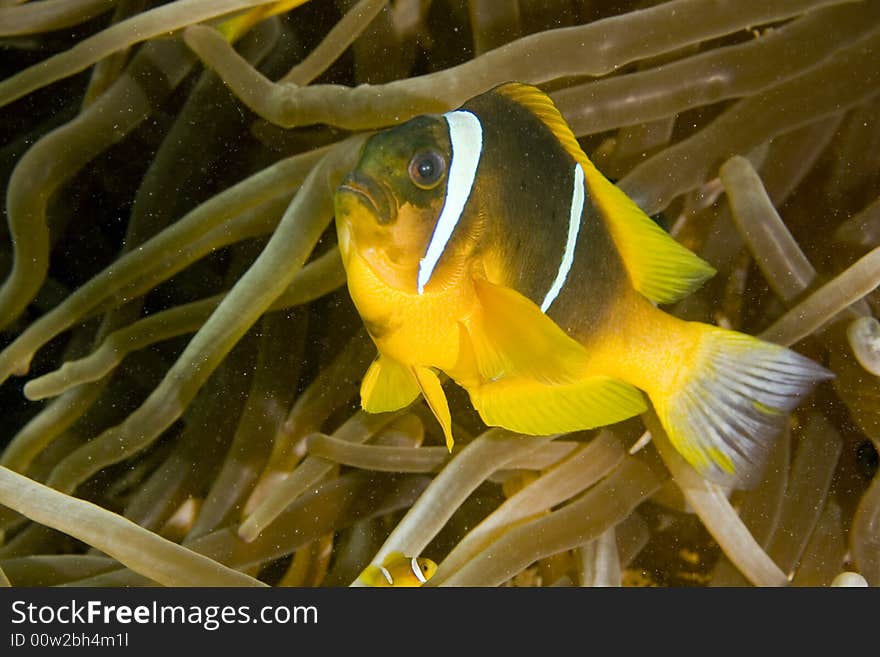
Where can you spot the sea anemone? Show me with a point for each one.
(181, 360)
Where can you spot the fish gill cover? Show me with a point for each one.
(181, 359)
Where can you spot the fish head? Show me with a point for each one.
(427, 567)
(388, 205)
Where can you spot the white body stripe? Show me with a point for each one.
(387, 575)
(417, 570)
(574, 224)
(466, 139)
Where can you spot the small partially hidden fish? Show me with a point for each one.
(483, 243)
(399, 570)
(234, 28)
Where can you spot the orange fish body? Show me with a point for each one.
(483, 243)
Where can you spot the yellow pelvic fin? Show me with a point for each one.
(510, 336)
(387, 386)
(433, 393)
(528, 406)
(658, 266)
(732, 401)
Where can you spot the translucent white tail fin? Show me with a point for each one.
(734, 402)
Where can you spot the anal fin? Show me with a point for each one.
(532, 407)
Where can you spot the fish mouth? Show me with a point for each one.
(371, 194)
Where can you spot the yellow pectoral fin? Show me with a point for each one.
(387, 386)
(510, 336)
(532, 407)
(658, 266)
(433, 393)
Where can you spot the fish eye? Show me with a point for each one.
(426, 169)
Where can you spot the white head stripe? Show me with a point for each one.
(417, 570)
(574, 224)
(466, 140)
(388, 577)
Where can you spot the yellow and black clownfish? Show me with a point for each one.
(483, 243)
(400, 571)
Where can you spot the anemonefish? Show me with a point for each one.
(484, 244)
(234, 28)
(400, 571)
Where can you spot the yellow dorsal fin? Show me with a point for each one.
(387, 386)
(510, 336)
(394, 557)
(658, 266)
